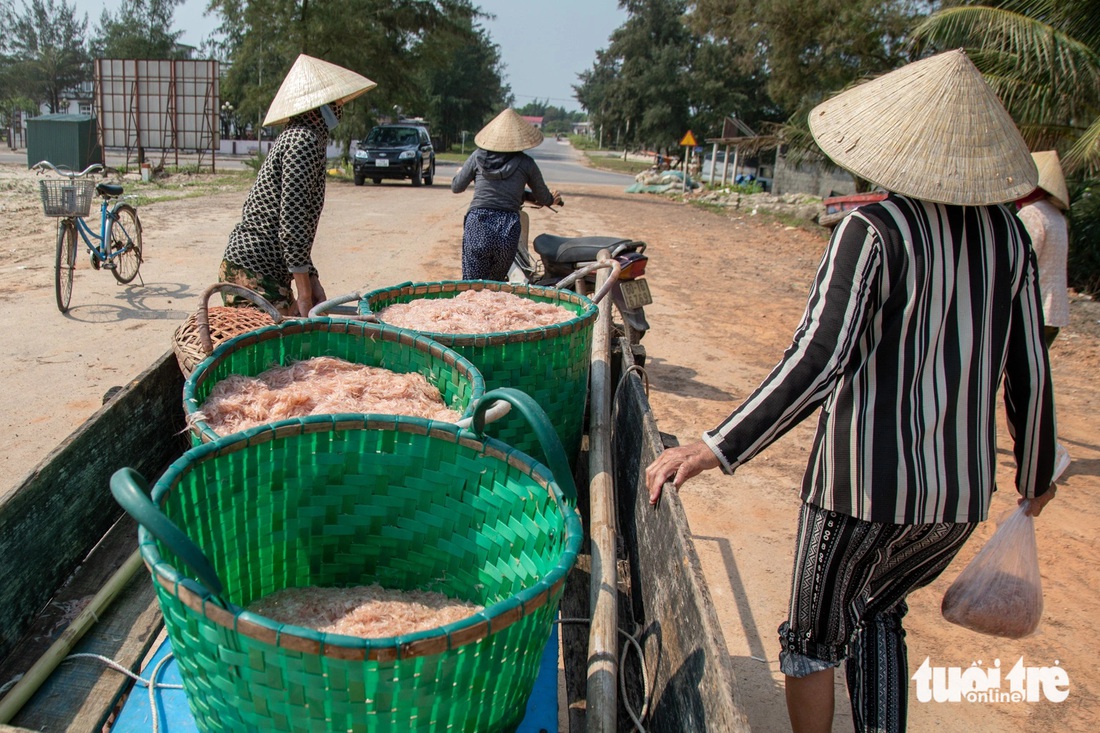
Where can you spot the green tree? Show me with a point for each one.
(461, 82)
(377, 38)
(641, 84)
(804, 51)
(139, 29)
(811, 49)
(723, 87)
(599, 93)
(45, 45)
(1043, 59)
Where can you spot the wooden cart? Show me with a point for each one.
(64, 540)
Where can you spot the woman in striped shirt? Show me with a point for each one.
(922, 304)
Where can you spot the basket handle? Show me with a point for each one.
(202, 320)
(130, 490)
(322, 308)
(542, 427)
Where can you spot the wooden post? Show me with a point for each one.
(684, 168)
(603, 654)
(713, 162)
(725, 165)
(736, 155)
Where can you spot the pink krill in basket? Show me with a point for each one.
(474, 311)
(368, 611)
(322, 385)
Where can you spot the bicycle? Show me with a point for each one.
(117, 246)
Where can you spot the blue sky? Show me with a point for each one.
(543, 44)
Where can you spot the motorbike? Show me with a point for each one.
(571, 262)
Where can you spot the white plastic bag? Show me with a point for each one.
(1000, 591)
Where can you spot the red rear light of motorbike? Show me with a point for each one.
(632, 265)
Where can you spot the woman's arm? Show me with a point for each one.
(540, 193)
(465, 175)
(301, 198)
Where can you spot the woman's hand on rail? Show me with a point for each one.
(677, 465)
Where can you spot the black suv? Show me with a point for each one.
(395, 151)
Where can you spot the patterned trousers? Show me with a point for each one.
(489, 241)
(848, 592)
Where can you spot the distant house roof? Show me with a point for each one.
(536, 121)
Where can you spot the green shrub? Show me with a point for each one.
(743, 188)
(1083, 266)
(256, 160)
(583, 142)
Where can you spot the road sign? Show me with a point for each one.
(688, 140)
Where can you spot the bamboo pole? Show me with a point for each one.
(25, 688)
(603, 655)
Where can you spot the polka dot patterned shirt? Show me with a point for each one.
(279, 218)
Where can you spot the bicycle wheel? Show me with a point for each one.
(65, 263)
(124, 242)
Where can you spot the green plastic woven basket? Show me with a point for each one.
(457, 379)
(336, 501)
(549, 363)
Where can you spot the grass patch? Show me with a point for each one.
(183, 183)
(615, 163)
(764, 216)
(453, 157)
(583, 142)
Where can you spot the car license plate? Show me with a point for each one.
(382, 163)
(635, 293)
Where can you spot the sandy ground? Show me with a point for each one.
(728, 290)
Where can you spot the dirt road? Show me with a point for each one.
(728, 292)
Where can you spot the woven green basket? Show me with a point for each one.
(458, 381)
(324, 501)
(550, 363)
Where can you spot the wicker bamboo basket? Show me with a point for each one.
(338, 502)
(459, 382)
(206, 328)
(549, 363)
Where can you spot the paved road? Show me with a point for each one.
(560, 163)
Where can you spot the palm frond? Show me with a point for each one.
(1010, 42)
(1085, 153)
(1048, 79)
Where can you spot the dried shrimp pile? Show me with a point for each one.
(368, 611)
(474, 311)
(322, 385)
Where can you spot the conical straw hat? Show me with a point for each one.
(508, 133)
(933, 130)
(1051, 179)
(311, 83)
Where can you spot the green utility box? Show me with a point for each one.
(69, 141)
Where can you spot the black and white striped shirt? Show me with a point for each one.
(916, 313)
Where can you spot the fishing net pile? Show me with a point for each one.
(474, 311)
(369, 611)
(323, 385)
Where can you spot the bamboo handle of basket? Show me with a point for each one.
(321, 308)
(130, 491)
(40, 671)
(202, 320)
(543, 429)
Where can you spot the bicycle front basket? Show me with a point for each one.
(63, 197)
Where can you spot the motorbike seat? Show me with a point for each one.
(571, 250)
